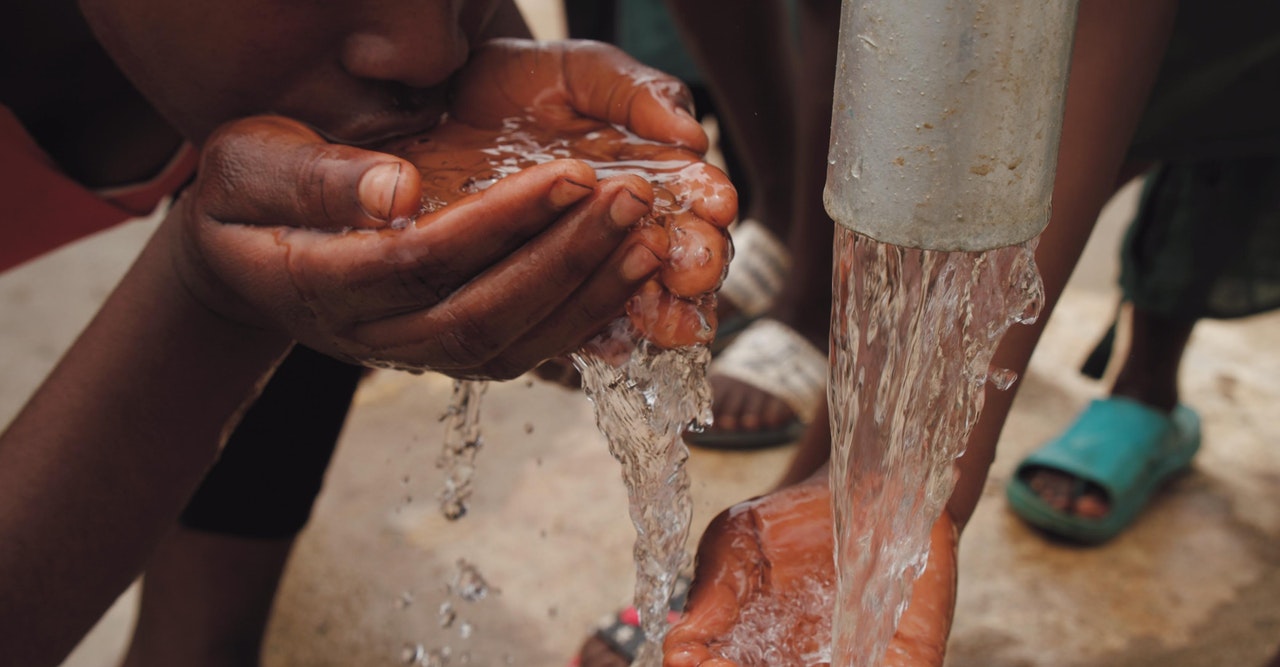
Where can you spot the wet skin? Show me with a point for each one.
(772, 547)
(284, 236)
(488, 287)
(691, 202)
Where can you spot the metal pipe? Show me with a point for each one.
(946, 119)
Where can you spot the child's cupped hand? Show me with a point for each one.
(331, 245)
(621, 117)
(287, 231)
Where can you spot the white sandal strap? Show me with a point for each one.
(759, 268)
(772, 357)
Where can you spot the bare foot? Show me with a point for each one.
(739, 406)
(1067, 494)
(765, 384)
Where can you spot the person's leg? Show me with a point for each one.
(206, 599)
(804, 304)
(747, 60)
(591, 19)
(1150, 370)
(208, 589)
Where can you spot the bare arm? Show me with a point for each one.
(95, 468)
(284, 236)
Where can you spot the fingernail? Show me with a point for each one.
(377, 190)
(566, 192)
(627, 208)
(639, 263)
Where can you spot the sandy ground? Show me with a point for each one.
(1193, 583)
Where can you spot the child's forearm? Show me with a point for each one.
(100, 461)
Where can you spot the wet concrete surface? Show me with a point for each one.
(1194, 583)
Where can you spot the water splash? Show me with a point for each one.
(913, 333)
(468, 583)
(766, 625)
(642, 405)
(644, 397)
(462, 440)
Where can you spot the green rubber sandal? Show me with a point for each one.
(1125, 448)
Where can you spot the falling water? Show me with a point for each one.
(913, 333)
(643, 406)
(461, 443)
(644, 396)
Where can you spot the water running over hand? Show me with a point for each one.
(913, 333)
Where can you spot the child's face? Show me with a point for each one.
(357, 70)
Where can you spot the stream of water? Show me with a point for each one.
(644, 394)
(643, 407)
(913, 334)
(462, 441)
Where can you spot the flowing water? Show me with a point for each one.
(643, 406)
(913, 333)
(461, 443)
(644, 394)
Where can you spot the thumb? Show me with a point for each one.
(268, 170)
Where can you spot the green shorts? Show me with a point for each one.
(1206, 240)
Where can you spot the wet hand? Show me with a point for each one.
(564, 83)
(518, 102)
(283, 230)
(777, 547)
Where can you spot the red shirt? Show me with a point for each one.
(42, 209)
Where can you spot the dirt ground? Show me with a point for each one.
(1194, 583)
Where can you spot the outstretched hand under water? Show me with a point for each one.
(776, 546)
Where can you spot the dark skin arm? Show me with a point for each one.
(258, 254)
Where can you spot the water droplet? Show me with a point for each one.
(411, 654)
(1002, 378)
(468, 584)
(465, 629)
(438, 657)
(447, 614)
(404, 600)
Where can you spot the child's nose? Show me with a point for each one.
(420, 46)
